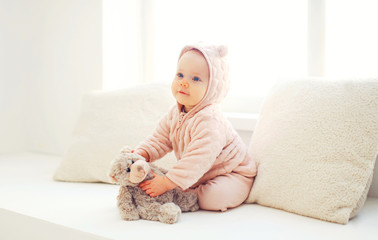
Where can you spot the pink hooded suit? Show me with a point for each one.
(212, 159)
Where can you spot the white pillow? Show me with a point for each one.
(108, 121)
(373, 191)
(315, 144)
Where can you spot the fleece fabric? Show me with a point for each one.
(108, 121)
(204, 142)
(316, 143)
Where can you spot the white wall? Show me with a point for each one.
(50, 54)
(122, 43)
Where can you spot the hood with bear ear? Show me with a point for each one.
(218, 86)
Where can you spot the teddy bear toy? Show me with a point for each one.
(128, 170)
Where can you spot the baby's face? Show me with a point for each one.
(192, 78)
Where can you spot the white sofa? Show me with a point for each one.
(33, 206)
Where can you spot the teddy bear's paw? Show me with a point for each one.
(169, 213)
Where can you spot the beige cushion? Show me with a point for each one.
(373, 191)
(315, 144)
(110, 120)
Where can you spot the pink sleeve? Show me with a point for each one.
(205, 145)
(158, 144)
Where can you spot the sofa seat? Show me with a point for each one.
(34, 206)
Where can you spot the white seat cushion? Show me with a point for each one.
(27, 188)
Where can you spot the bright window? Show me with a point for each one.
(122, 58)
(352, 38)
(267, 40)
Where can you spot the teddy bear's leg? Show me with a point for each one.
(150, 212)
(187, 201)
(126, 206)
(169, 213)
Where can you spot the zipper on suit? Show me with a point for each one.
(182, 115)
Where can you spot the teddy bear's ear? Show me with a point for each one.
(111, 173)
(126, 149)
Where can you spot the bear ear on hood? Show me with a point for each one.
(222, 50)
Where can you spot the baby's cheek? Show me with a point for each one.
(174, 87)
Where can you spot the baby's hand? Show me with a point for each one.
(157, 186)
(142, 153)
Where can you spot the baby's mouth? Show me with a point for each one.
(183, 93)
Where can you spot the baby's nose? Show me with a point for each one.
(184, 84)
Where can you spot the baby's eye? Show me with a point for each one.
(180, 75)
(196, 79)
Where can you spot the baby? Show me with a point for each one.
(212, 159)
